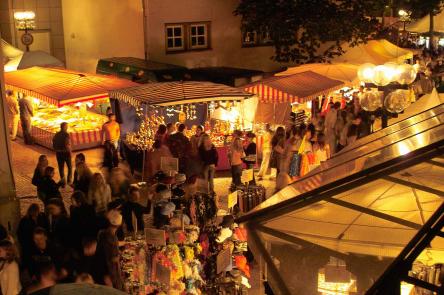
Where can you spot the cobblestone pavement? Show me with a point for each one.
(25, 158)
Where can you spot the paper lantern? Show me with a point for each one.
(397, 101)
(407, 74)
(380, 77)
(371, 101)
(366, 72)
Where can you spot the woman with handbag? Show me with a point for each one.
(277, 151)
(250, 153)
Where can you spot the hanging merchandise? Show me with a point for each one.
(143, 138)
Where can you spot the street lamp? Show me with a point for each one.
(404, 16)
(391, 78)
(24, 21)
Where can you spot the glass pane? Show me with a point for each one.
(201, 40)
(177, 42)
(193, 30)
(201, 30)
(177, 31)
(193, 41)
(169, 32)
(169, 43)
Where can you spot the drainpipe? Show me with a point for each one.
(145, 29)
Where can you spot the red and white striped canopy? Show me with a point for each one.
(61, 87)
(297, 88)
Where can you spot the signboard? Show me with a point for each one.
(223, 260)
(155, 237)
(169, 164)
(163, 274)
(247, 175)
(228, 202)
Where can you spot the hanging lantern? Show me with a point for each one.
(407, 74)
(366, 72)
(380, 77)
(397, 101)
(371, 101)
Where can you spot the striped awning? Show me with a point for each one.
(297, 88)
(173, 93)
(61, 87)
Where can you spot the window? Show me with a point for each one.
(187, 36)
(198, 36)
(175, 37)
(253, 38)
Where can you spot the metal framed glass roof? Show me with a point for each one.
(364, 221)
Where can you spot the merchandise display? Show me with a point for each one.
(186, 248)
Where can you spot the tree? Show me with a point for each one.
(309, 31)
(420, 8)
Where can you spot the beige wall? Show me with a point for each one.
(101, 28)
(48, 34)
(225, 35)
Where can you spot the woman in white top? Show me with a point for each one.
(9, 269)
(321, 150)
(99, 193)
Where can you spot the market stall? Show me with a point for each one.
(60, 96)
(191, 103)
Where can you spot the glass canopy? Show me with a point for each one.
(364, 222)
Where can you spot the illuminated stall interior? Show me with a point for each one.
(368, 221)
(220, 108)
(59, 96)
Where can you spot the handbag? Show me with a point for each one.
(273, 163)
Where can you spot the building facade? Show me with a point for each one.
(48, 32)
(204, 33)
(101, 28)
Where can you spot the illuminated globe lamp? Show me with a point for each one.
(384, 76)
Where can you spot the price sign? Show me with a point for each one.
(155, 237)
(223, 260)
(247, 175)
(163, 274)
(232, 199)
(168, 164)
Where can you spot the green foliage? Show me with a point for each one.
(420, 8)
(310, 30)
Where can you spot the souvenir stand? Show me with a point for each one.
(60, 96)
(186, 247)
(192, 103)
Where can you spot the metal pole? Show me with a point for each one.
(145, 151)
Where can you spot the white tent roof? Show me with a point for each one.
(374, 51)
(423, 25)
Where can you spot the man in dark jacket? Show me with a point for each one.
(26, 114)
(180, 147)
(131, 207)
(62, 146)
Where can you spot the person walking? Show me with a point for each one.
(26, 114)
(180, 148)
(49, 188)
(153, 158)
(99, 194)
(278, 148)
(9, 269)
(34, 218)
(61, 143)
(13, 113)
(132, 207)
(250, 153)
(330, 123)
(83, 219)
(39, 175)
(82, 174)
(266, 152)
(110, 141)
(235, 155)
(108, 251)
(209, 157)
